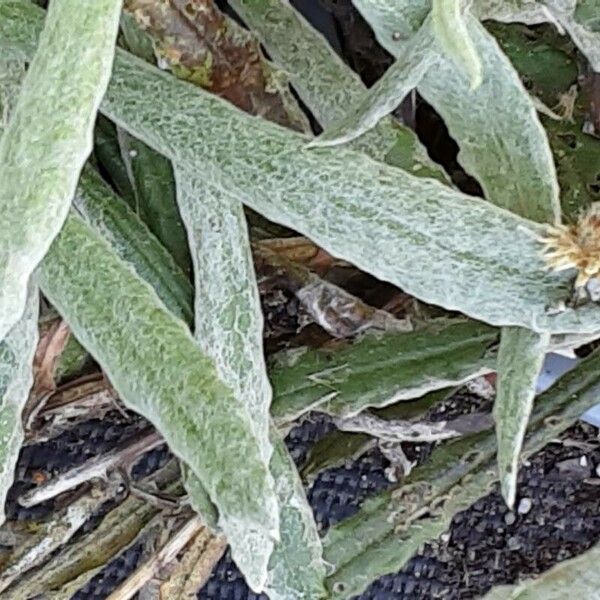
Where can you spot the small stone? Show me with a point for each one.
(514, 543)
(583, 462)
(598, 470)
(510, 518)
(524, 506)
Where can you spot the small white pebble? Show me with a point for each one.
(509, 518)
(598, 470)
(524, 506)
(583, 461)
(133, 153)
(445, 537)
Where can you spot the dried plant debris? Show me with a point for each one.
(200, 44)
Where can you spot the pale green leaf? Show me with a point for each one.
(228, 327)
(520, 359)
(371, 363)
(12, 72)
(502, 142)
(578, 578)
(415, 59)
(439, 245)
(158, 370)
(49, 137)
(453, 35)
(296, 568)
(327, 85)
(16, 357)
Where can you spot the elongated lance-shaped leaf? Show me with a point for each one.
(453, 36)
(378, 371)
(16, 358)
(578, 577)
(534, 197)
(416, 58)
(151, 176)
(327, 85)
(228, 323)
(12, 72)
(450, 483)
(49, 137)
(368, 363)
(430, 240)
(228, 327)
(158, 370)
(133, 242)
(296, 569)
(510, 155)
(520, 358)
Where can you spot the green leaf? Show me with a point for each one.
(578, 577)
(229, 327)
(49, 137)
(16, 358)
(431, 241)
(296, 568)
(133, 242)
(543, 58)
(452, 33)
(520, 358)
(157, 369)
(391, 527)
(12, 72)
(327, 85)
(509, 154)
(412, 63)
(379, 371)
(153, 181)
(107, 152)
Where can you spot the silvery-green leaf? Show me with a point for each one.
(156, 367)
(578, 577)
(48, 138)
(453, 36)
(327, 85)
(393, 21)
(439, 245)
(12, 72)
(520, 359)
(509, 155)
(415, 59)
(16, 357)
(229, 328)
(383, 220)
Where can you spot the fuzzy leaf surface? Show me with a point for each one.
(439, 245)
(229, 328)
(124, 325)
(16, 358)
(452, 33)
(48, 138)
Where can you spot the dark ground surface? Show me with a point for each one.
(559, 492)
(559, 498)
